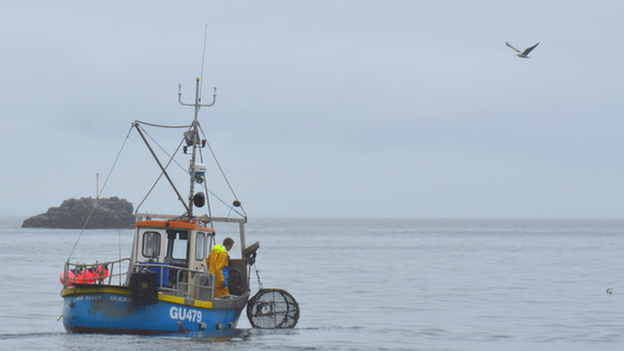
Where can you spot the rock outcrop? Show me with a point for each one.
(108, 213)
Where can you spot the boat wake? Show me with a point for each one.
(13, 336)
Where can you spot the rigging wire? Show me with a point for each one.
(101, 191)
(208, 202)
(201, 84)
(83, 189)
(171, 158)
(119, 256)
(214, 156)
(225, 203)
(162, 125)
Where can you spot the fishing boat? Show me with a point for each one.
(165, 287)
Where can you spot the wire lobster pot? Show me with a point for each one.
(273, 308)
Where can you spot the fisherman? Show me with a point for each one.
(218, 264)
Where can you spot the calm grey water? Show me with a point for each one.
(366, 285)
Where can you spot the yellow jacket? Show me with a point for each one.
(218, 261)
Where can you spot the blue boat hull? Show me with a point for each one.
(102, 309)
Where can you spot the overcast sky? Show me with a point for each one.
(324, 108)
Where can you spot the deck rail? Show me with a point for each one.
(187, 283)
(96, 273)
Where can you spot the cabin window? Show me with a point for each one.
(178, 242)
(200, 247)
(151, 244)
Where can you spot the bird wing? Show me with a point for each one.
(527, 50)
(512, 47)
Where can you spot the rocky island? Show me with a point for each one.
(108, 213)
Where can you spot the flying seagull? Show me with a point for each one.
(525, 53)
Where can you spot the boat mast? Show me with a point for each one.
(192, 137)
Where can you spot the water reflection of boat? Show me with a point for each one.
(166, 288)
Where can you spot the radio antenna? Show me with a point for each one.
(203, 61)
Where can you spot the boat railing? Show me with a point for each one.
(194, 284)
(96, 273)
(187, 283)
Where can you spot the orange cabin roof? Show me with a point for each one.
(171, 224)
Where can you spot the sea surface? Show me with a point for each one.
(364, 284)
